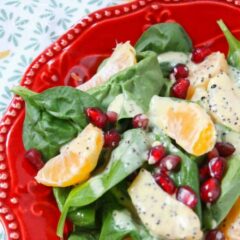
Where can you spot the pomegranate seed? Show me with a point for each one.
(140, 121)
(204, 173)
(180, 71)
(215, 235)
(225, 149)
(166, 183)
(217, 167)
(212, 154)
(96, 117)
(111, 138)
(199, 54)
(187, 196)
(210, 190)
(34, 157)
(180, 88)
(156, 154)
(112, 117)
(170, 162)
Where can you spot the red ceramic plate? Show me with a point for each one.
(27, 209)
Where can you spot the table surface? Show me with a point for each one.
(26, 29)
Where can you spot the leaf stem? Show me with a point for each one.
(23, 92)
(62, 220)
(232, 41)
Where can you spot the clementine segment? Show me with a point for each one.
(76, 160)
(124, 56)
(230, 226)
(186, 122)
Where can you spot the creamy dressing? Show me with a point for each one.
(122, 220)
(163, 215)
(173, 58)
(96, 186)
(224, 100)
(121, 104)
(216, 87)
(234, 74)
(201, 73)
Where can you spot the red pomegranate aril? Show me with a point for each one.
(166, 183)
(212, 154)
(187, 196)
(180, 71)
(204, 173)
(199, 54)
(34, 157)
(217, 167)
(156, 154)
(170, 162)
(215, 235)
(210, 190)
(140, 121)
(111, 138)
(112, 117)
(225, 149)
(96, 117)
(180, 88)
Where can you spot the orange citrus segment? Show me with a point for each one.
(230, 226)
(124, 56)
(186, 122)
(76, 160)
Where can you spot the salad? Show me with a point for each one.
(149, 147)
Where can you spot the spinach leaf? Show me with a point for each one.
(215, 213)
(125, 159)
(53, 117)
(122, 197)
(119, 223)
(65, 103)
(83, 217)
(45, 132)
(164, 37)
(166, 68)
(233, 43)
(137, 84)
(166, 89)
(60, 195)
(188, 173)
(81, 235)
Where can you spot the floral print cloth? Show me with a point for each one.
(27, 27)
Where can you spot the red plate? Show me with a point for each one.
(27, 209)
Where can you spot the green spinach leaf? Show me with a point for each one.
(164, 37)
(215, 213)
(125, 159)
(45, 132)
(137, 84)
(53, 117)
(84, 217)
(119, 223)
(81, 235)
(60, 195)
